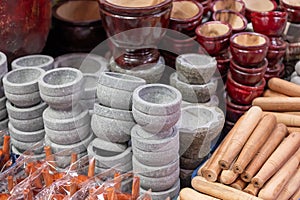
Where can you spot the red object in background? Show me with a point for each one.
(24, 26)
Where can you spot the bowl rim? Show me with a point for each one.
(234, 44)
(284, 4)
(227, 34)
(239, 1)
(194, 18)
(272, 1)
(245, 21)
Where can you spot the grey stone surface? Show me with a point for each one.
(297, 68)
(150, 73)
(3, 64)
(139, 141)
(76, 148)
(24, 100)
(112, 130)
(39, 61)
(159, 184)
(88, 103)
(23, 80)
(25, 113)
(190, 164)
(1, 91)
(113, 113)
(61, 82)
(172, 192)
(4, 124)
(294, 74)
(23, 146)
(22, 136)
(2, 102)
(157, 172)
(87, 63)
(152, 136)
(157, 99)
(155, 123)
(194, 93)
(296, 80)
(89, 86)
(68, 137)
(64, 161)
(196, 68)
(63, 124)
(157, 158)
(3, 114)
(32, 157)
(109, 146)
(193, 148)
(214, 101)
(64, 114)
(29, 125)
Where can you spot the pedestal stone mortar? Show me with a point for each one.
(195, 68)
(194, 93)
(22, 136)
(111, 124)
(115, 86)
(25, 113)
(39, 61)
(61, 88)
(3, 64)
(150, 73)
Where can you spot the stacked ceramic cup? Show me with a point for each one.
(112, 121)
(155, 139)
(25, 107)
(3, 112)
(194, 79)
(67, 122)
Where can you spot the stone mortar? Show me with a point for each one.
(24, 100)
(65, 114)
(190, 164)
(22, 136)
(29, 125)
(147, 135)
(89, 103)
(23, 146)
(39, 61)
(113, 113)
(122, 168)
(193, 149)
(65, 161)
(110, 146)
(25, 113)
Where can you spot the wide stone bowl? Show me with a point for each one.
(25, 113)
(32, 136)
(24, 100)
(44, 62)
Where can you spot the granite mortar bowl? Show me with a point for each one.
(236, 20)
(293, 10)
(238, 6)
(44, 62)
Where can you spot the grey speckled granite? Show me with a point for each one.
(39, 61)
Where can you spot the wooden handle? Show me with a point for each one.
(73, 188)
(135, 188)
(219, 190)
(10, 183)
(293, 129)
(250, 189)
(239, 184)
(296, 195)
(6, 145)
(284, 87)
(264, 153)
(228, 176)
(91, 170)
(271, 93)
(190, 194)
(277, 103)
(291, 187)
(241, 135)
(287, 119)
(48, 178)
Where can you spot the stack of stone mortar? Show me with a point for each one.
(3, 112)
(67, 122)
(25, 107)
(112, 121)
(295, 77)
(194, 79)
(155, 139)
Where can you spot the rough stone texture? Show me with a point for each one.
(89, 103)
(3, 114)
(150, 73)
(122, 168)
(76, 148)
(214, 101)
(87, 63)
(296, 80)
(39, 61)
(61, 82)
(159, 184)
(64, 114)
(64, 161)
(63, 124)
(3, 64)
(297, 68)
(155, 123)
(29, 125)
(190, 164)
(23, 146)
(89, 86)
(22, 136)
(149, 171)
(147, 135)
(194, 93)
(110, 146)
(193, 148)
(3, 124)
(157, 99)
(24, 100)
(157, 158)
(172, 192)
(23, 80)
(32, 157)
(68, 137)
(112, 130)
(108, 159)
(25, 113)
(196, 68)
(113, 113)
(139, 141)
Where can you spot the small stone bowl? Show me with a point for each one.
(62, 102)
(27, 125)
(25, 113)
(194, 93)
(23, 146)
(237, 21)
(85, 62)
(248, 48)
(3, 64)
(115, 89)
(38, 61)
(24, 100)
(26, 136)
(157, 99)
(89, 86)
(195, 68)
(238, 6)
(293, 10)
(22, 81)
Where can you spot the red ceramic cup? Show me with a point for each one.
(237, 21)
(293, 10)
(243, 94)
(258, 6)
(214, 36)
(276, 51)
(271, 23)
(248, 48)
(274, 71)
(206, 5)
(260, 68)
(186, 15)
(223, 62)
(234, 111)
(238, 6)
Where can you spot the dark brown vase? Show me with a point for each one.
(136, 47)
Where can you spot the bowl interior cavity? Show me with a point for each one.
(233, 19)
(32, 62)
(184, 10)
(104, 153)
(157, 95)
(214, 30)
(135, 3)
(24, 76)
(292, 2)
(194, 118)
(223, 5)
(258, 5)
(249, 40)
(60, 77)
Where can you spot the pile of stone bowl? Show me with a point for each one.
(112, 121)
(25, 107)
(199, 126)
(155, 139)
(67, 122)
(3, 112)
(44, 62)
(193, 79)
